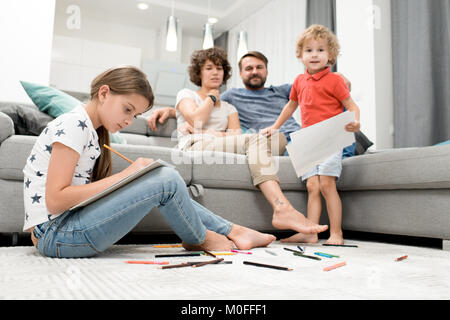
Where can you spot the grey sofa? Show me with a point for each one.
(397, 191)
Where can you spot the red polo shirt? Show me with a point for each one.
(319, 96)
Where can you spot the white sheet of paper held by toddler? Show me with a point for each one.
(314, 144)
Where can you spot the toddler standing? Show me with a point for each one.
(321, 95)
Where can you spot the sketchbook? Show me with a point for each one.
(155, 164)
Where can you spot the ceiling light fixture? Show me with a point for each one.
(213, 20)
(208, 31)
(208, 36)
(171, 28)
(242, 44)
(142, 6)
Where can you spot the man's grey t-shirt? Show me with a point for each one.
(259, 109)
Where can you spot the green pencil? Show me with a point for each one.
(328, 254)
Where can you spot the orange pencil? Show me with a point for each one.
(401, 258)
(118, 153)
(334, 266)
(167, 246)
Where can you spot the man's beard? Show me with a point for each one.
(251, 85)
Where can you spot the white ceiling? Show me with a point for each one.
(192, 14)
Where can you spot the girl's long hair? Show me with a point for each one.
(121, 80)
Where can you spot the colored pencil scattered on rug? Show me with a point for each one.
(267, 266)
(341, 245)
(244, 252)
(341, 264)
(401, 258)
(146, 262)
(167, 246)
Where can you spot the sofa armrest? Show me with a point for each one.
(167, 129)
(6, 127)
(140, 126)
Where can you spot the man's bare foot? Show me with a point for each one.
(245, 238)
(335, 238)
(213, 242)
(286, 217)
(302, 238)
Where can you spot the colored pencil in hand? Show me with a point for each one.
(118, 153)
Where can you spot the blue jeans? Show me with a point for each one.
(94, 228)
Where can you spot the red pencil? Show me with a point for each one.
(401, 258)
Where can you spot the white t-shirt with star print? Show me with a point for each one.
(73, 129)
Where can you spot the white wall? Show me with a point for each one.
(108, 32)
(272, 30)
(76, 62)
(26, 31)
(111, 44)
(364, 32)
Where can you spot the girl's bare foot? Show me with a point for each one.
(302, 238)
(286, 217)
(245, 238)
(335, 238)
(213, 242)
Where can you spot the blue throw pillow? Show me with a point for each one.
(55, 103)
(443, 143)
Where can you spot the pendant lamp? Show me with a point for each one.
(208, 36)
(242, 44)
(171, 32)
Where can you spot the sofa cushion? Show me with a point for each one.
(362, 143)
(49, 100)
(229, 170)
(55, 103)
(404, 168)
(14, 153)
(138, 139)
(15, 150)
(167, 129)
(27, 119)
(140, 126)
(443, 143)
(6, 126)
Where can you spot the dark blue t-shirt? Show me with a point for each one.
(259, 109)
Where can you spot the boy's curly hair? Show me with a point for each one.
(316, 32)
(198, 59)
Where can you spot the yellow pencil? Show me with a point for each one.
(118, 153)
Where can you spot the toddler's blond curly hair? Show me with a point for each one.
(316, 32)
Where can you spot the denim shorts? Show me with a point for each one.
(330, 167)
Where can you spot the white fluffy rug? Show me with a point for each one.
(371, 272)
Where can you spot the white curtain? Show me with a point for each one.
(272, 30)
